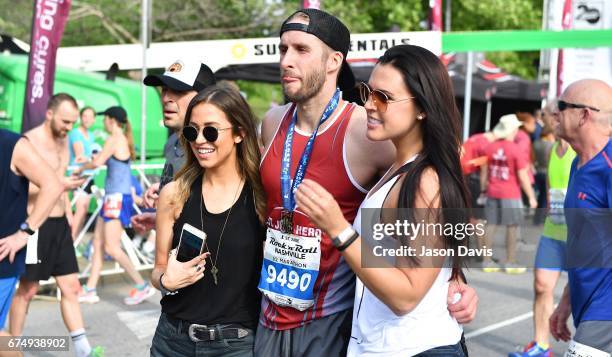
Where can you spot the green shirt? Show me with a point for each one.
(558, 178)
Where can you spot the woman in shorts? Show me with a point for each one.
(117, 153)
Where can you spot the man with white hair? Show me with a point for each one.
(583, 120)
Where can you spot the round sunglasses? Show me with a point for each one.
(210, 133)
(379, 98)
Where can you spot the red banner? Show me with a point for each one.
(435, 15)
(311, 4)
(47, 28)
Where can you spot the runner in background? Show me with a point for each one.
(117, 154)
(584, 119)
(20, 164)
(551, 254)
(55, 254)
(542, 149)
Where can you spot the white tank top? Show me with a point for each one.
(378, 331)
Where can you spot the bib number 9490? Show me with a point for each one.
(291, 278)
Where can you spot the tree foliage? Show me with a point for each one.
(479, 15)
(96, 22)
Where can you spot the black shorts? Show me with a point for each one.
(55, 251)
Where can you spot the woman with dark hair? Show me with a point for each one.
(117, 154)
(219, 192)
(401, 303)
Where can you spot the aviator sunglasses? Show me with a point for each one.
(562, 105)
(379, 98)
(210, 133)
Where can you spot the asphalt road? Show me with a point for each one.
(503, 321)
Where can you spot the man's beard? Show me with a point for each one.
(313, 82)
(57, 133)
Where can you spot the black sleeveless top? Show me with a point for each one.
(236, 299)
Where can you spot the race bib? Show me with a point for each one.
(557, 200)
(112, 205)
(290, 269)
(577, 349)
(32, 249)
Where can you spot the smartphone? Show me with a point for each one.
(191, 243)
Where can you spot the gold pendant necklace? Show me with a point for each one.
(215, 270)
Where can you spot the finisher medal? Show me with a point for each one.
(286, 221)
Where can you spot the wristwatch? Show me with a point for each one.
(162, 288)
(25, 227)
(345, 238)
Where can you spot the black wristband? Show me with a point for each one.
(163, 289)
(348, 242)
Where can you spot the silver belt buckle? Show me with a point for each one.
(193, 327)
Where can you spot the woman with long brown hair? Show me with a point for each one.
(117, 153)
(211, 302)
(401, 298)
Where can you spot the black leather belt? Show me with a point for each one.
(202, 333)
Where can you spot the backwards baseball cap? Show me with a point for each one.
(183, 75)
(116, 112)
(332, 32)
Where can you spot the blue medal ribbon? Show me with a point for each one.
(287, 187)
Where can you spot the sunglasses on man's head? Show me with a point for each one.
(210, 133)
(379, 98)
(562, 105)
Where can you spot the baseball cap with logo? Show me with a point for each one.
(116, 112)
(183, 75)
(332, 32)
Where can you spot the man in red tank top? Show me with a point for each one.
(308, 288)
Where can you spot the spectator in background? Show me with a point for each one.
(148, 235)
(81, 144)
(501, 180)
(542, 148)
(539, 125)
(472, 158)
(524, 142)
